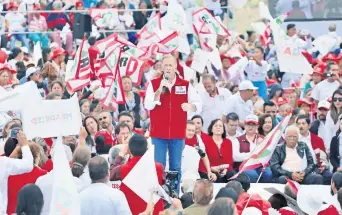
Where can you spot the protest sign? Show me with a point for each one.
(21, 97)
(132, 67)
(189, 74)
(52, 118)
(200, 60)
(65, 198)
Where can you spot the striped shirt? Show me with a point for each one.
(38, 24)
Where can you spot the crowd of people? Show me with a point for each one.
(202, 130)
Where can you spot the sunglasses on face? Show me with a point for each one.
(337, 99)
(100, 119)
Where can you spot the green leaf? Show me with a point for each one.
(265, 153)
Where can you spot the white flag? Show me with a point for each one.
(65, 198)
(146, 172)
(37, 53)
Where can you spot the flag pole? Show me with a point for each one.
(250, 196)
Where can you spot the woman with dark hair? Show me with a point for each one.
(265, 124)
(85, 106)
(30, 200)
(219, 151)
(56, 87)
(15, 56)
(332, 122)
(222, 206)
(336, 149)
(92, 126)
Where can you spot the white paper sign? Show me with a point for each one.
(200, 60)
(214, 58)
(21, 97)
(189, 74)
(52, 118)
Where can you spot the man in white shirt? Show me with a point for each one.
(99, 198)
(325, 89)
(10, 166)
(232, 127)
(317, 127)
(241, 103)
(214, 100)
(301, 44)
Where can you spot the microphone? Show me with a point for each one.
(166, 77)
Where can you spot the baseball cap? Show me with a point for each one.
(252, 119)
(30, 71)
(281, 101)
(324, 104)
(247, 85)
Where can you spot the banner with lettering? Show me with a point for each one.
(113, 91)
(105, 18)
(52, 118)
(132, 67)
(150, 27)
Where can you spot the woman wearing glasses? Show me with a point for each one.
(332, 121)
(219, 151)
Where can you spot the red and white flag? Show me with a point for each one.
(150, 27)
(113, 91)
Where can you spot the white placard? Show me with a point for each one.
(52, 118)
(200, 60)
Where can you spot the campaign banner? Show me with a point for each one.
(52, 118)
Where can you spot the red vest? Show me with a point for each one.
(16, 182)
(168, 120)
(136, 204)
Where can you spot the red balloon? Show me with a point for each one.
(3, 57)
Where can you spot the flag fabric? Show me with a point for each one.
(108, 62)
(160, 42)
(113, 91)
(132, 67)
(65, 198)
(204, 22)
(105, 18)
(175, 19)
(78, 76)
(262, 154)
(149, 28)
(37, 53)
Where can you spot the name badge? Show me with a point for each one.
(180, 89)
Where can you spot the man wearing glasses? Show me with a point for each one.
(105, 121)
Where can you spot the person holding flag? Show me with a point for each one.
(169, 99)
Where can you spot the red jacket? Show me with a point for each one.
(168, 120)
(255, 201)
(48, 165)
(317, 143)
(216, 156)
(136, 204)
(15, 183)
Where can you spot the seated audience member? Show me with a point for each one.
(266, 124)
(247, 143)
(225, 192)
(219, 151)
(271, 108)
(202, 195)
(198, 120)
(336, 184)
(305, 105)
(278, 201)
(236, 186)
(294, 160)
(99, 198)
(335, 151)
(316, 146)
(137, 147)
(30, 200)
(232, 127)
(244, 180)
(339, 197)
(317, 126)
(15, 183)
(224, 206)
(252, 200)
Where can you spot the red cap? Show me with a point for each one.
(301, 101)
(288, 91)
(308, 56)
(223, 56)
(79, 4)
(320, 68)
(331, 210)
(270, 81)
(287, 211)
(281, 101)
(330, 57)
(12, 4)
(56, 52)
(7, 67)
(36, 6)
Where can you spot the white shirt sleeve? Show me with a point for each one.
(149, 102)
(315, 92)
(195, 99)
(237, 155)
(20, 166)
(122, 206)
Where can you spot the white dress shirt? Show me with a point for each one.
(256, 72)
(45, 184)
(239, 106)
(307, 141)
(100, 199)
(214, 107)
(331, 129)
(324, 90)
(193, 98)
(10, 166)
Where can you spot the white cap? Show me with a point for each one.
(310, 199)
(30, 71)
(251, 211)
(324, 104)
(247, 85)
(252, 119)
(24, 49)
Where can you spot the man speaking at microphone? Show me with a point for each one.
(169, 99)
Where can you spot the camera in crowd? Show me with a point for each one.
(201, 152)
(171, 185)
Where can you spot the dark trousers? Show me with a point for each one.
(220, 178)
(311, 178)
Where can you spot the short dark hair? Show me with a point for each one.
(119, 126)
(232, 116)
(337, 179)
(85, 121)
(98, 168)
(339, 196)
(124, 113)
(197, 117)
(30, 200)
(261, 49)
(236, 186)
(289, 26)
(329, 65)
(137, 145)
(301, 116)
(277, 201)
(189, 122)
(210, 128)
(269, 103)
(244, 180)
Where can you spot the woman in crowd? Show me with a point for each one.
(198, 120)
(336, 149)
(30, 200)
(219, 151)
(16, 55)
(316, 77)
(5, 135)
(85, 106)
(56, 87)
(305, 105)
(132, 100)
(92, 126)
(224, 206)
(79, 167)
(331, 124)
(7, 76)
(265, 124)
